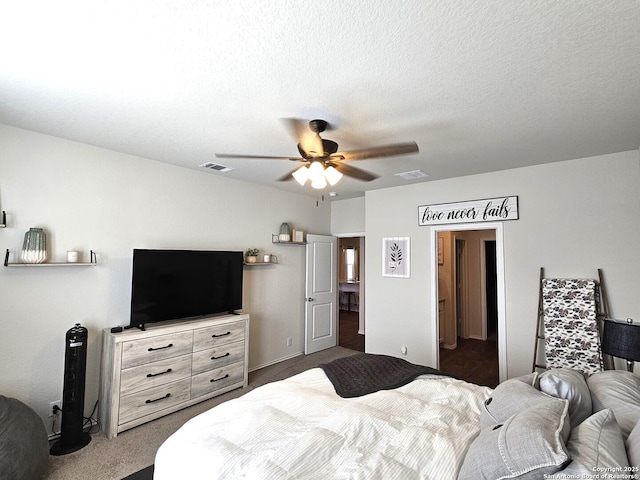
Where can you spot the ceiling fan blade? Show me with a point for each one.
(238, 155)
(287, 177)
(377, 152)
(309, 143)
(354, 172)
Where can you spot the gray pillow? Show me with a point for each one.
(24, 447)
(596, 445)
(509, 398)
(568, 384)
(528, 445)
(633, 447)
(530, 379)
(618, 390)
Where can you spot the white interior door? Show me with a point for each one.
(321, 302)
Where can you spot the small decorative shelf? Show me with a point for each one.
(275, 238)
(4, 219)
(93, 262)
(259, 264)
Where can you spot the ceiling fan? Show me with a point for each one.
(322, 162)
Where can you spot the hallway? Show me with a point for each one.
(475, 361)
(348, 331)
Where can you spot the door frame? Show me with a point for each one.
(502, 323)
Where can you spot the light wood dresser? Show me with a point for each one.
(149, 374)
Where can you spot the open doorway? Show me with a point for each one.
(351, 293)
(469, 279)
(491, 290)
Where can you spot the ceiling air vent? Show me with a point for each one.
(412, 175)
(216, 167)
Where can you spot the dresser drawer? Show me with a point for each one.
(153, 400)
(218, 335)
(216, 379)
(153, 374)
(217, 357)
(152, 349)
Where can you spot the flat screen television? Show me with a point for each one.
(183, 284)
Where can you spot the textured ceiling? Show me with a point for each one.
(479, 85)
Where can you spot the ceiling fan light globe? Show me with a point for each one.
(316, 174)
(301, 175)
(319, 183)
(332, 175)
(316, 169)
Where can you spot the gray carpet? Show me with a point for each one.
(133, 451)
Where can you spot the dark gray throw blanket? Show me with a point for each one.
(365, 373)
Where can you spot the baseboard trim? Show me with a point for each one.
(258, 367)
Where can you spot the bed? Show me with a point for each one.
(426, 426)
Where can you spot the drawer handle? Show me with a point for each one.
(218, 379)
(149, 375)
(221, 356)
(158, 399)
(223, 335)
(151, 349)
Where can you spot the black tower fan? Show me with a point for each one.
(72, 437)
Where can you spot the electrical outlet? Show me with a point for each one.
(52, 405)
(289, 341)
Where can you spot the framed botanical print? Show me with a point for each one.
(395, 257)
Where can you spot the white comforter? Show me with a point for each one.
(300, 429)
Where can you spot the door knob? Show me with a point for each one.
(309, 299)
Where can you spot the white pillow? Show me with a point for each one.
(571, 385)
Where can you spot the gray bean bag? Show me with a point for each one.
(24, 446)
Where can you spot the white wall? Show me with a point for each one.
(475, 289)
(575, 217)
(347, 217)
(91, 198)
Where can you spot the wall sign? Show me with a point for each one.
(474, 211)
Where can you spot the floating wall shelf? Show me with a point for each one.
(93, 262)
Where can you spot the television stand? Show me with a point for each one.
(149, 373)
